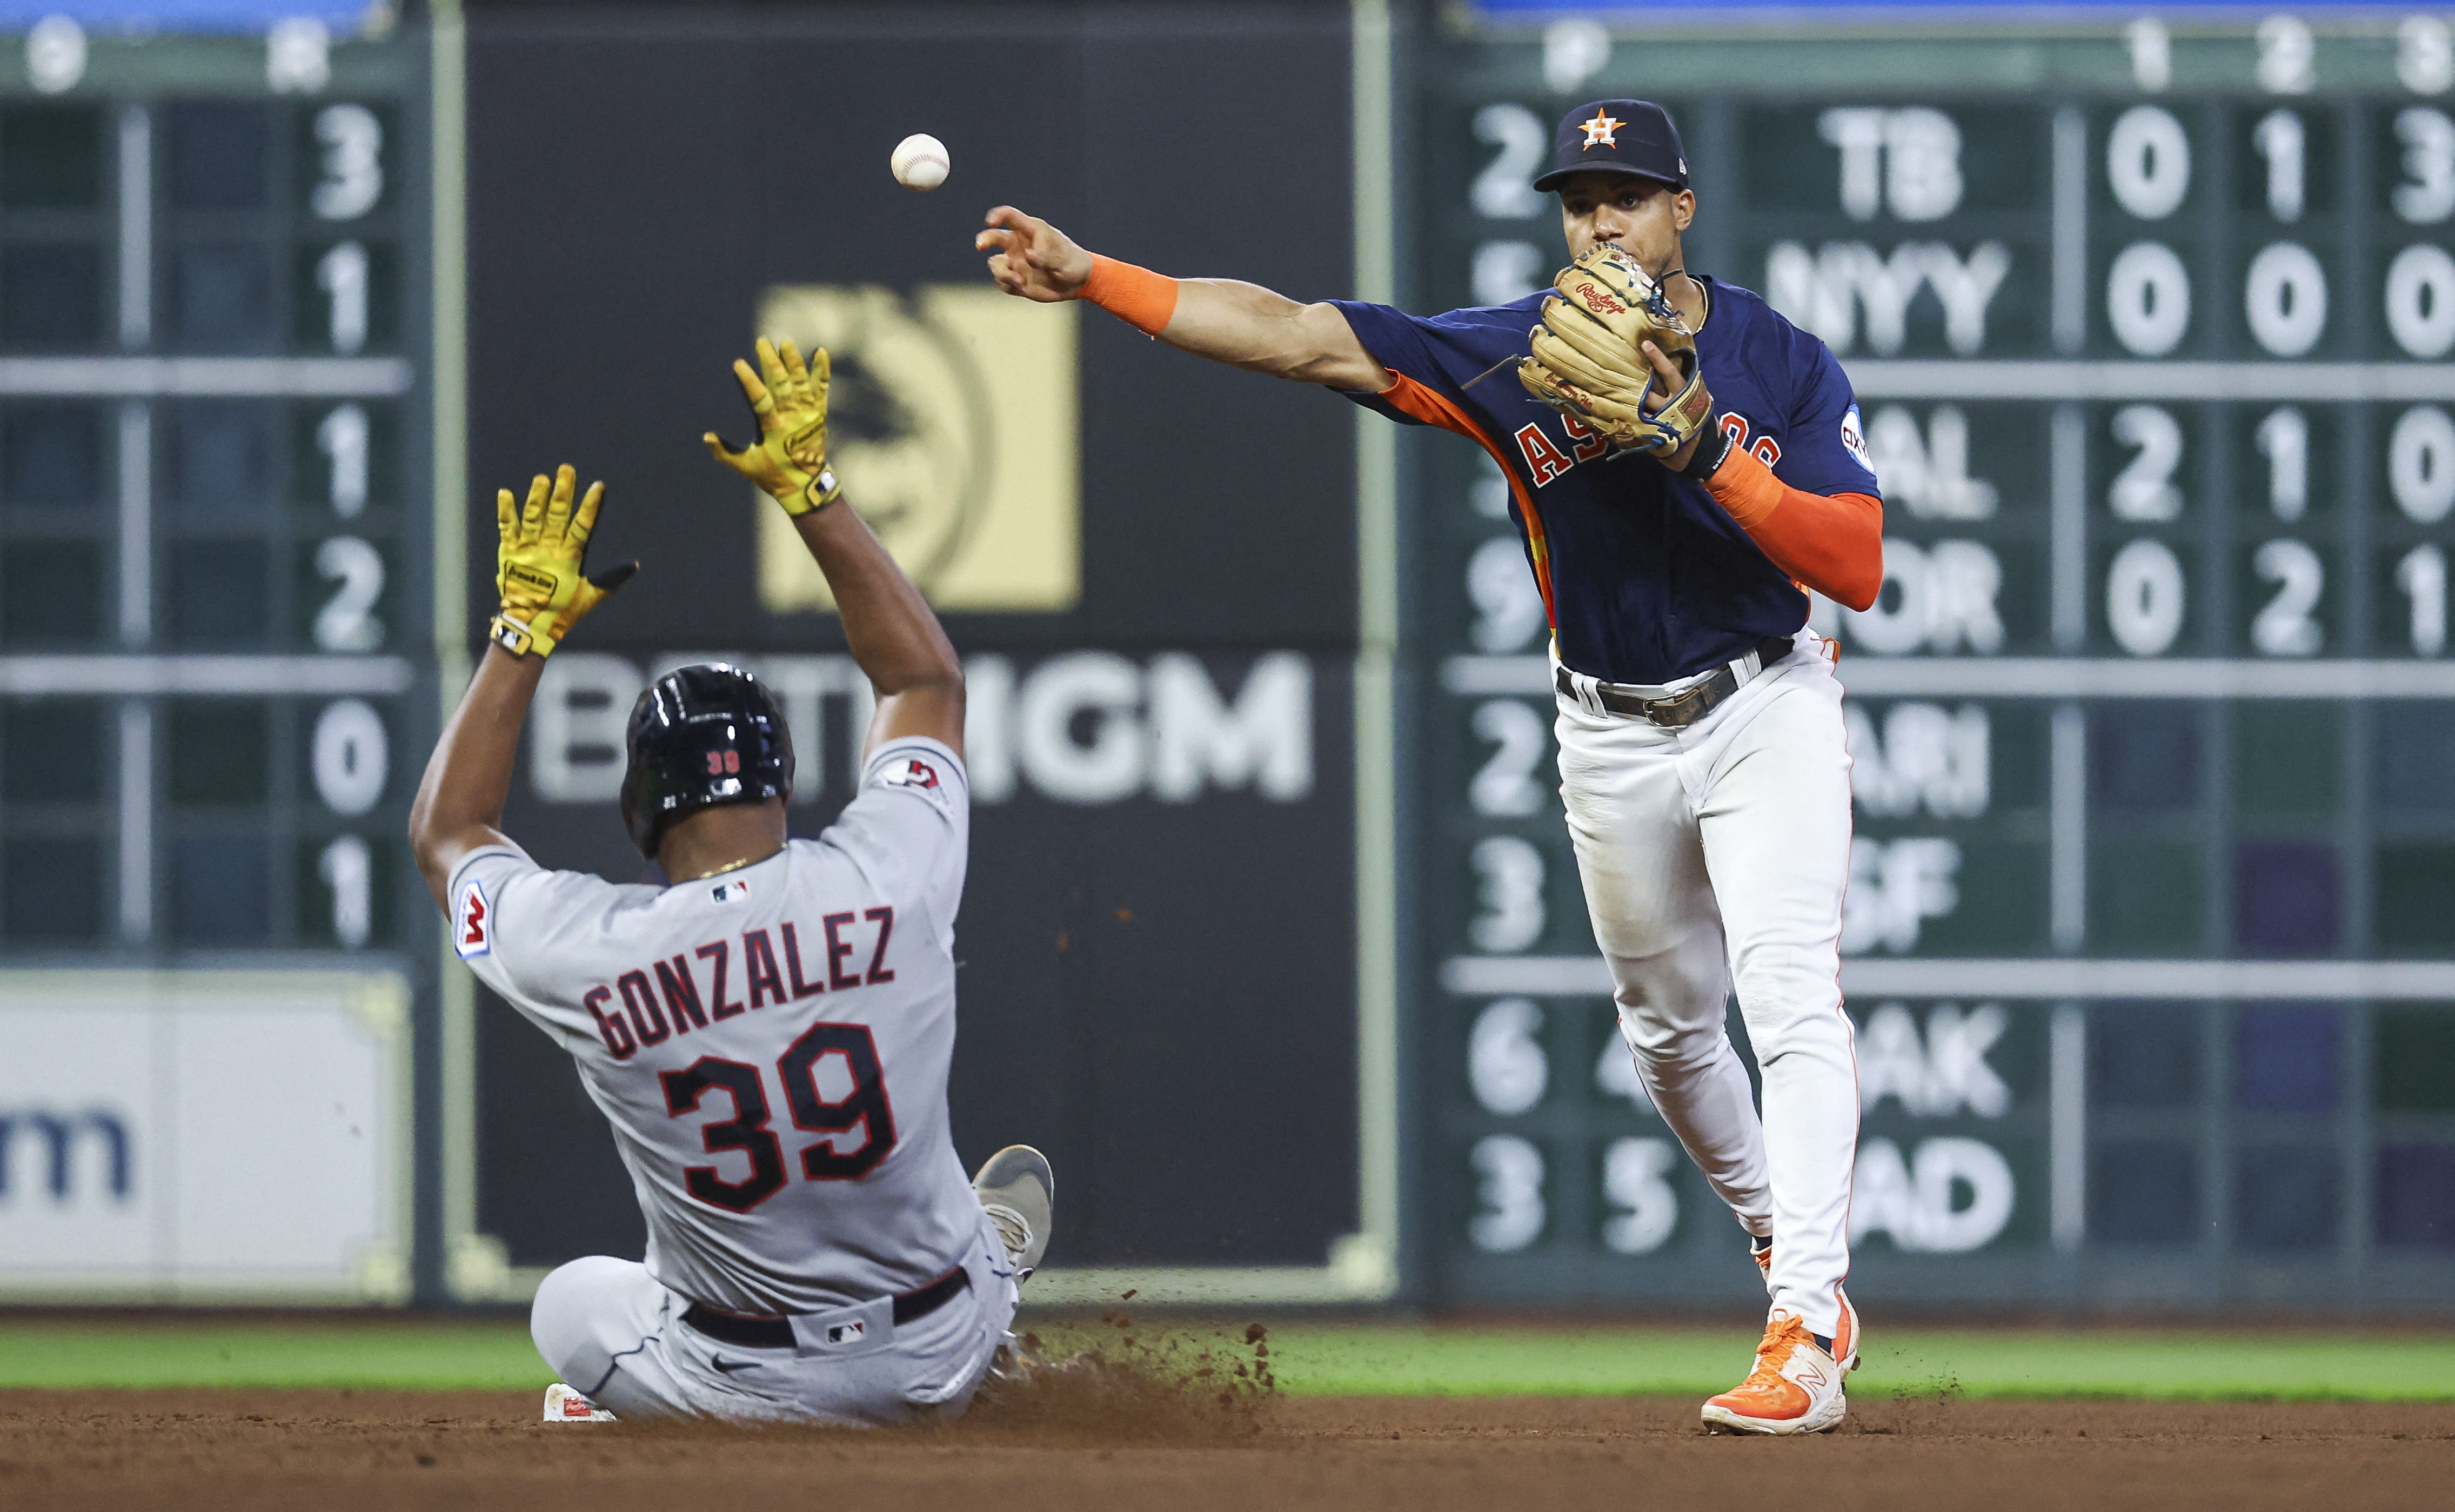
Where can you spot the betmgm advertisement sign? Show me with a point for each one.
(956, 409)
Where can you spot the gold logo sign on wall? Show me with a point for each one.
(952, 419)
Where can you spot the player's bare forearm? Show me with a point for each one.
(1248, 326)
(1241, 324)
(459, 805)
(894, 636)
(541, 570)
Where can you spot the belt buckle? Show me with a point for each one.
(1677, 710)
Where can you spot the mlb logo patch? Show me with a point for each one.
(847, 1333)
(1855, 437)
(473, 921)
(728, 892)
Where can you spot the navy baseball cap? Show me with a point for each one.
(1624, 136)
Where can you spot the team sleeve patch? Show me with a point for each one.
(472, 921)
(1853, 436)
(918, 774)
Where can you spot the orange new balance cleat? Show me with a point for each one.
(1795, 1388)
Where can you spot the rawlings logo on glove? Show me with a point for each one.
(1588, 360)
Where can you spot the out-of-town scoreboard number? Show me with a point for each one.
(215, 643)
(2154, 873)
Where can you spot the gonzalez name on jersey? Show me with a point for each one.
(771, 1045)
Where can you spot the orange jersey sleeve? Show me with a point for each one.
(1833, 544)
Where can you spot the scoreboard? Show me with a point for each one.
(2152, 897)
(2150, 935)
(217, 652)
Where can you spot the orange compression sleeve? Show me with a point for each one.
(1138, 296)
(1833, 544)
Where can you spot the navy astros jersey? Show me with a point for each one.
(1647, 579)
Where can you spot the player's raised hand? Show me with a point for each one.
(540, 567)
(789, 459)
(1031, 258)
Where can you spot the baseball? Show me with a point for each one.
(919, 162)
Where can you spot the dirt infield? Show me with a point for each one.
(333, 1451)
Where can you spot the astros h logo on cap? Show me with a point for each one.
(1624, 136)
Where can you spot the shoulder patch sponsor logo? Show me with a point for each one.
(1854, 435)
(473, 921)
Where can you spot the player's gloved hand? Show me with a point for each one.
(539, 568)
(790, 459)
(1590, 359)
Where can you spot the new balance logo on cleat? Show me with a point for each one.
(1795, 1388)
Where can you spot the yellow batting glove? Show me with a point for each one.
(790, 459)
(538, 568)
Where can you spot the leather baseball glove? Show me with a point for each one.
(539, 569)
(789, 459)
(1589, 359)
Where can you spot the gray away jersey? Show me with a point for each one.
(771, 1045)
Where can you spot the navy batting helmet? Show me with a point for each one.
(699, 736)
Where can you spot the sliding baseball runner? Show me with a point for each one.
(1683, 465)
(769, 1036)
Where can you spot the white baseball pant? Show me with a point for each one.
(1716, 856)
(614, 1334)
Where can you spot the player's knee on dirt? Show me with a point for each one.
(567, 1321)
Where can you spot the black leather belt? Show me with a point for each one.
(1686, 707)
(777, 1333)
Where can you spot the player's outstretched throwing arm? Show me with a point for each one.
(540, 571)
(893, 634)
(1422, 369)
(1243, 325)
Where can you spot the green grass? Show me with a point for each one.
(1323, 1358)
(1415, 1361)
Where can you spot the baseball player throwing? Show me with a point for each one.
(1683, 464)
(769, 1035)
